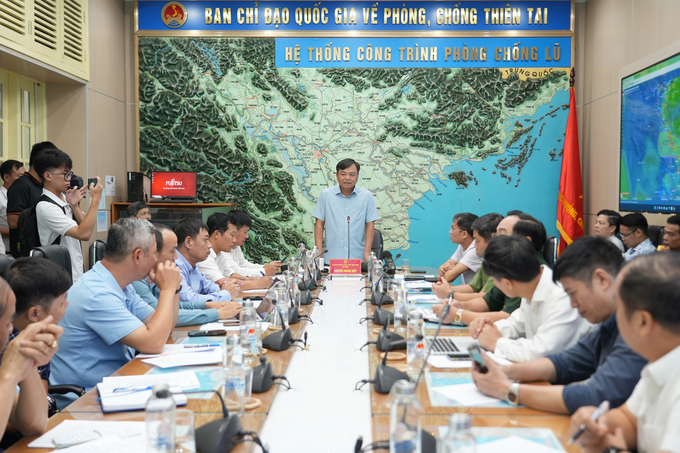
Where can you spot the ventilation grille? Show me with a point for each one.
(13, 16)
(73, 30)
(45, 23)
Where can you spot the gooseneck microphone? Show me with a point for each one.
(220, 435)
(279, 341)
(386, 376)
(390, 267)
(445, 312)
(348, 243)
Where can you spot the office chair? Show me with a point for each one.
(5, 262)
(550, 251)
(96, 252)
(655, 234)
(57, 253)
(377, 247)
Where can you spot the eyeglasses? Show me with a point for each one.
(67, 176)
(625, 235)
(457, 229)
(503, 233)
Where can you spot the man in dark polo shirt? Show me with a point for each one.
(23, 194)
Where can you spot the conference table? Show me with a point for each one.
(322, 412)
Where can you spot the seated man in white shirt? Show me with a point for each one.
(60, 220)
(241, 266)
(545, 322)
(464, 262)
(648, 318)
(607, 227)
(218, 267)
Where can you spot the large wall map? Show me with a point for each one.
(431, 142)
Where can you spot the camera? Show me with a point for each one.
(76, 182)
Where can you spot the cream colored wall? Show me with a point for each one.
(612, 34)
(94, 123)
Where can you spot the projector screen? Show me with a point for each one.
(650, 139)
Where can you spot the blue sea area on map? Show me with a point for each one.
(536, 193)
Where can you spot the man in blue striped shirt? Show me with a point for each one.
(190, 313)
(193, 246)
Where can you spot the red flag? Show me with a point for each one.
(570, 197)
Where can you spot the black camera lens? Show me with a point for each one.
(76, 182)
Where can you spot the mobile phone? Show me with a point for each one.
(476, 355)
(91, 181)
(210, 333)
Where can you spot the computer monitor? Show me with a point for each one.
(174, 185)
(650, 133)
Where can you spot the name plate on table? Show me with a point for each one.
(346, 267)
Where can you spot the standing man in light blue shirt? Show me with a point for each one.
(633, 231)
(345, 210)
(106, 317)
(193, 246)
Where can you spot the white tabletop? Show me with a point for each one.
(323, 413)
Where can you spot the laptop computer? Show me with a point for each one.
(450, 346)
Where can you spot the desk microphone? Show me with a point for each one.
(387, 338)
(279, 341)
(381, 298)
(348, 243)
(316, 265)
(219, 436)
(390, 267)
(381, 316)
(386, 376)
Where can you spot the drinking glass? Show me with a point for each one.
(185, 437)
(405, 266)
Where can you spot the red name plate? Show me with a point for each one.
(346, 267)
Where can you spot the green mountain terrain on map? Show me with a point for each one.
(268, 139)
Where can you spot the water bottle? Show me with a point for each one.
(405, 419)
(371, 263)
(160, 420)
(291, 287)
(232, 354)
(415, 345)
(459, 438)
(377, 274)
(401, 309)
(309, 262)
(250, 332)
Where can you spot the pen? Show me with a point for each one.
(205, 345)
(600, 411)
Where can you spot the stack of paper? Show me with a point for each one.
(229, 327)
(423, 298)
(465, 394)
(170, 349)
(421, 284)
(443, 361)
(207, 357)
(128, 393)
(73, 432)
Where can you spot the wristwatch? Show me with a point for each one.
(512, 396)
(178, 289)
(459, 316)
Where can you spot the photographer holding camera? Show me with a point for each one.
(60, 220)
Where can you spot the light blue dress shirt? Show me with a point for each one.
(195, 287)
(643, 248)
(98, 316)
(188, 315)
(333, 208)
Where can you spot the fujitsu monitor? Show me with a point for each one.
(173, 185)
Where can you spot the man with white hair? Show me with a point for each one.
(106, 317)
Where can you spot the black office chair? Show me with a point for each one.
(57, 253)
(550, 251)
(97, 251)
(377, 247)
(655, 234)
(5, 262)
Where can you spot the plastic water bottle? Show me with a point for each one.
(405, 419)
(250, 332)
(232, 354)
(401, 309)
(160, 421)
(459, 438)
(371, 263)
(415, 345)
